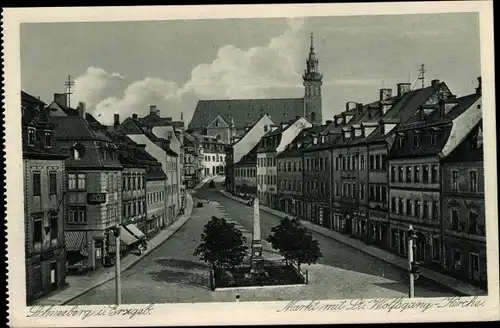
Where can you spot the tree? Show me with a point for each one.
(294, 242)
(222, 245)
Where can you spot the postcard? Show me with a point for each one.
(250, 164)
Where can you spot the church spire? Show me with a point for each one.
(312, 43)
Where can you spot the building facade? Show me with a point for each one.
(214, 156)
(464, 225)
(246, 174)
(416, 174)
(94, 193)
(44, 190)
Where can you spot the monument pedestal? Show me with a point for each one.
(256, 260)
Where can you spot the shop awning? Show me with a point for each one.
(126, 237)
(132, 228)
(74, 240)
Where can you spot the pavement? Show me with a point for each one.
(455, 285)
(172, 274)
(81, 284)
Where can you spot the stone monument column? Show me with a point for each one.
(256, 259)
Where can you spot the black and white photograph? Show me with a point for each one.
(319, 163)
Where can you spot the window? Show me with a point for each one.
(37, 229)
(416, 173)
(408, 174)
(433, 139)
(417, 208)
(349, 163)
(372, 162)
(344, 160)
(37, 187)
(425, 173)
(393, 204)
(77, 214)
(426, 209)
(472, 180)
(454, 219)
(456, 259)
(362, 163)
(401, 173)
(435, 209)
(473, 228)
(400, 209)
(436, 248)
(48, 139)
(393, 173)
(383, 160)
(416, 140)
(400, 142)
(80, 181)
(434, 173)
(31, 136)
(52, 183)
(362, 191)
(409, 209)
(54, 227)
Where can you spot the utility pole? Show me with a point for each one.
(118, 288)
(69, 84)
(421, 77)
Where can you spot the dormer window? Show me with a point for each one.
(266, 128)
(77, 151)
(48, 139)
(31, 136)
(216, 124)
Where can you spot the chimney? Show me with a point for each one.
(134, 116)
(434, 83)
(61, 99)
(152, 110)
(385, 94)
(479, 88)
(403, 88)
(350, 105)
(82, 110)
(116, 120)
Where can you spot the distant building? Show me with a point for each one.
(245, 172)
(229, 118)
(242, 145)
(272, 144)
(193, 162)
(214, 155)
(44, 190)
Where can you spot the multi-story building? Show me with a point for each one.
(192, 153)
(160, 149)
(94, 195)
(156, 180)
(290, 173)
(271, 145)
(214, 155)
(44, 189)
(245, 174)
(242, 145)
(463, 210)
(416, 175)
(316, 176)
(232, 117)
(163, 128)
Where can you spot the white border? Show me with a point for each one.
(242, 312)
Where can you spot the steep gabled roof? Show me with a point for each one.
(245, 112)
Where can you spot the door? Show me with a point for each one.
(474, 267)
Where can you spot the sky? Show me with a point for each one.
(124, 67)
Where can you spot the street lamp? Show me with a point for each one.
(413, 268)
(116, 232)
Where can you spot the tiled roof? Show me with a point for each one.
(155, 120)
(435, 122)
(464, 152)
(249, 158)
(245, 112)
(95, 124)
(75, 128)
(27, 97)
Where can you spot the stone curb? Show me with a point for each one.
(182, 221)
(224, 289)
(422, 276)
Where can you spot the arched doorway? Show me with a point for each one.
(421, 248)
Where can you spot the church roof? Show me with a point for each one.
(246, 112)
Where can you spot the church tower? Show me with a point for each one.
(312, 84)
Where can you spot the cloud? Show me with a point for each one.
(273, 70)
